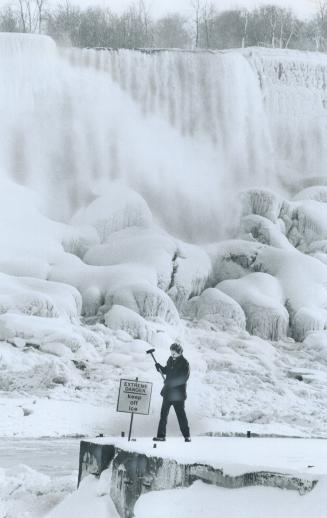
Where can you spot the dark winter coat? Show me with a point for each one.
(177, 373)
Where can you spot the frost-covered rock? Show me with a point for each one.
(305, 222)
(261, 297)
(120, 317)
(148, 301)
(216, 307)
(262, 202)
(117, 208)
(261, 229)
(232, 259)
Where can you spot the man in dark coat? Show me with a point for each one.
(177, 372)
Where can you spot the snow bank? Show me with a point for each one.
(261, 297)
(215, 307)
(91, 499)
(209, 501)
(27, 493)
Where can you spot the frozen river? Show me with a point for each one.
(53, 457)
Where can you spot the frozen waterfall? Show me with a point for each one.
(184, 129)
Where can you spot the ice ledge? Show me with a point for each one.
(138, 468)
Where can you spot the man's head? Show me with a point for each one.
(176, 350)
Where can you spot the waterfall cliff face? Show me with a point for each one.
(187, 130)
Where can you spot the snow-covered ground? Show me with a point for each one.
(302, 458)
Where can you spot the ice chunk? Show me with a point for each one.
(120, 317)
(216, 307)
(262, 299)
(116, 209)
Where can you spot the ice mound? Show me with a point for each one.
(182, 269)
(261, 229)
(315, 192)
(232, 259)
(304, 283)
(215, 307)
(305, 222)
(145, 246)
(117, 208)
(262, 299)
(148, 301)
(38, 297)
(44, 332)
(120, 317)
(95, 282)
(262, 202)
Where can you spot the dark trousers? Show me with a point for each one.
(179, 407)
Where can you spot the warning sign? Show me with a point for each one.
(134, 397)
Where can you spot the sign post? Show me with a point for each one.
(134, 398)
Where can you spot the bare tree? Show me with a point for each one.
(245, 17)
(320, 28)
(196, 7)
(208, 12)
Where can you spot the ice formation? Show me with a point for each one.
(262, 299)
(121, 317)
(217, 308)
(121, 224)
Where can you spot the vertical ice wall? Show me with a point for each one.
(294, 89)
(184, 129)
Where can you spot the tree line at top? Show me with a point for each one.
(205, 27)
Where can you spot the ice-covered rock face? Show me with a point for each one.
(215, 307)
(261, 297)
